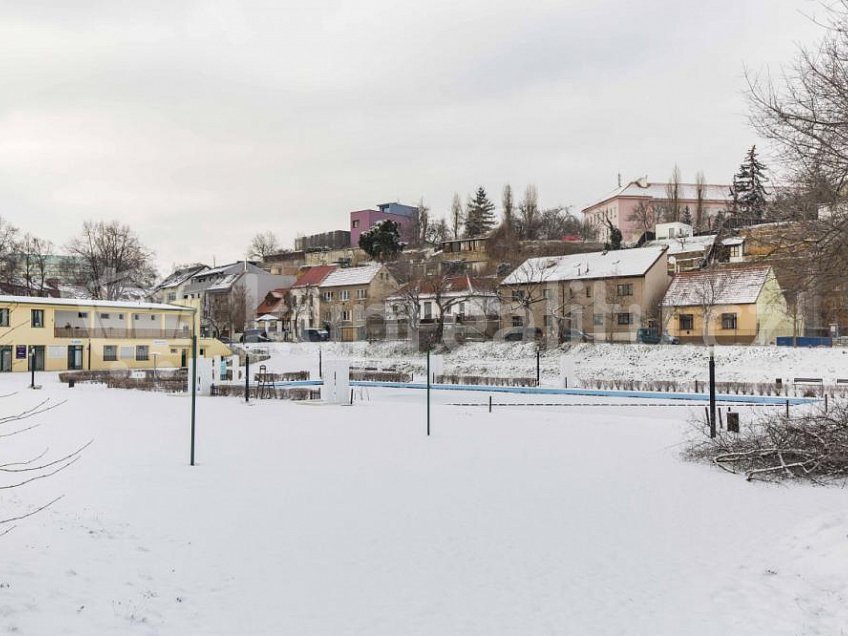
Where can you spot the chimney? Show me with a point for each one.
(619, 179)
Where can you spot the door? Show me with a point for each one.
(184, 358)
(75, 357)
(5, 358)
(37, 358)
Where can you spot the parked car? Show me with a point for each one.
(519, 334)
(314, 335)
(575, 335)
(653, 336)
(225, 339)
(254, 335)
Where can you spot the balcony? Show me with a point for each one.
(118, 333)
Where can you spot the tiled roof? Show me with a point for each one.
(362, 275)
(314, 275)
(589, 266)
(728, 285)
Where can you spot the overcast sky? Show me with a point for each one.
(202, 123)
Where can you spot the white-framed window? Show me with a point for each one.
(624, 319)
(624, 289)
(346, 315)
(728, 321)
(362, 293)
(110, 353)
(428, 310)
(344, 294)
(517, 321)
(142, 353)
(37, 318)
(4, 317)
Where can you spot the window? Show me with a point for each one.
(346, 316)
(104, 316)
(344, 294)
(547, 294)
(517, 321)
(172, 296)
(624, 289)
(356, 223)
(37, 319)
(4, 317)
(728, 321)
(598, 320)
(82, 314)
(588, 291)
(153, 316)
(547, 321)
(517, 295)
(120, 316)
(461, 309)
(428, 310)
(110, 353)
(361, 293)
(571, 292)
(687, 322)
(624, 319)
(142, 352)
(328, 296)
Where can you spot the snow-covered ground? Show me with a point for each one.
(605, 361)
(315, 519)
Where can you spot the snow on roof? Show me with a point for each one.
(685, 244)
(179, 276)
(79, 302)
(592, 265)
(454, 286)
(267, 318)
(687, 192)
(362, 275)
(225, 283)
(734, 240)
(735, 285)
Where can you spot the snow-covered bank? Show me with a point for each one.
(607, 361)
(312, 519)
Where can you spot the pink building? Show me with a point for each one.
(406, 216)
(620, 205)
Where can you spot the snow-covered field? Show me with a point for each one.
(608, 361)
(317, 519)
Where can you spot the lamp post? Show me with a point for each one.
(193, 378)
(32, 366)
(155, 356)
(712, 393)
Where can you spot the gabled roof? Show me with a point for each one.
(727, 285)
(314, 275)
(588, 266)
(362, 275)
(685, 244)
(645, 189)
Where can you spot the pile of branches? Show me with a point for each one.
(811, 445)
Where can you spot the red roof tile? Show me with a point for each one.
(314, 275)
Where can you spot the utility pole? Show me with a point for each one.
(428, 392)
(712, 393)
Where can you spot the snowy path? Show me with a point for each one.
(308, 519)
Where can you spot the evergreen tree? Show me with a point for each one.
(748, 190)
(382, 242)
(686, 217)
(479, 214)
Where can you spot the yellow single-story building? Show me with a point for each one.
(58, 334)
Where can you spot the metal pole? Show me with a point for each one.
(490, 404)
(428, 393)
(32, 366)
(247, 376)
(538, 367)
(320, 365)
(712, 393)
(193, 390)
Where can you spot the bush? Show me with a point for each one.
(812, 445)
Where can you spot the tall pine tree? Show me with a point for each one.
(748, 190)
(479, 214)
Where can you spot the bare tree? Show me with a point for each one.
(700, 195)
(645, 216)
(443, 291)
(8, 252)
(34, 256)
(423, 223)
(508, 206)
(528, 211)
(457, 216)
(19, 473)
(527, 286)
(111, 260)
(671, 204)
(263, 245)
